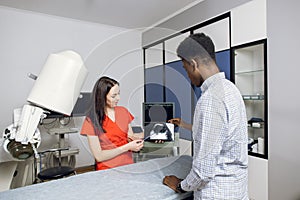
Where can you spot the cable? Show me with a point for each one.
(50, 124)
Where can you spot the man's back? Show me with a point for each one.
(220, 135)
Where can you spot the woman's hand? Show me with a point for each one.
(135, 145)
(136, 136)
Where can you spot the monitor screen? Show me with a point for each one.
(82, 105)
(155, 116)
(80, 108)
(155, 112)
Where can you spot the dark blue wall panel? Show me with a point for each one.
(178, 90)
(154, 84)
(223, 62)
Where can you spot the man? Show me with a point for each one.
(220, 160)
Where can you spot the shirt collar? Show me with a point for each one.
(208, 82)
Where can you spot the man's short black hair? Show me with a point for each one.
(196, 46)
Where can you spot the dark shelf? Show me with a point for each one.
(250, 153)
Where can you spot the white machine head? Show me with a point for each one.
(56, 89)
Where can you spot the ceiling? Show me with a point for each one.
(121, 13)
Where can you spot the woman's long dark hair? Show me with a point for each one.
(96, 112)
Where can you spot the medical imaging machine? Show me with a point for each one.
(56, 89)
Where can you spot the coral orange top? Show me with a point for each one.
(116, 135)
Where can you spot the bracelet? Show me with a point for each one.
(179, 189)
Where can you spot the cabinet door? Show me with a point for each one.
(248, 22)
(250, 77)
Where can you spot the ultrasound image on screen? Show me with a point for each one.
(155, 116)
(158, 112)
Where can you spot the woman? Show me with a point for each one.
(107, 127)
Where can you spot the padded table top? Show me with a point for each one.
(142, 180)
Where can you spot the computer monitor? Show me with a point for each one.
(155, 116)
(82, 105)
(80, 109)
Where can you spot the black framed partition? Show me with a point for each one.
(167, 81)
(249, 69)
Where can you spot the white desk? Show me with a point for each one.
(158, 150)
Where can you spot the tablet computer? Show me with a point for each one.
(159, 131)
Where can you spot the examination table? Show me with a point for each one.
(142, 180)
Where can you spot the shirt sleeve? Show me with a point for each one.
(209, 120)
(87, 127)
(123, 118)
(128, 115)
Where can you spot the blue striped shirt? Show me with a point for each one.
(220, 160)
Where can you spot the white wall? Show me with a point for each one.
(27, 39)
(245, 28)
(284, 106)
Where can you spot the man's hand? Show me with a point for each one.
(176, 121)
(172, 182)
(179, 122)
